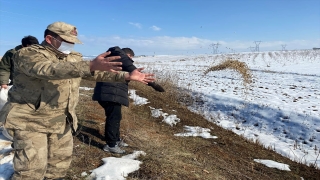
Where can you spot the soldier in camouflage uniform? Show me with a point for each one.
(40, 112)
(6, 63)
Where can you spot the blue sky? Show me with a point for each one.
(154, 27)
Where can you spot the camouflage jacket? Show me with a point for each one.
(46, 89)
(6, 66)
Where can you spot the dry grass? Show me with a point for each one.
(240, 67)
(171, 157)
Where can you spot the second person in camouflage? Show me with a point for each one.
(40, 112)
(6, 63)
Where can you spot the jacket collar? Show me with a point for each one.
(18, 47)
(53, 50)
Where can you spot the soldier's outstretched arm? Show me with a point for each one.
(136, 75)
(103, 63)
(36, 62)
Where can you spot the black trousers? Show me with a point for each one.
(113, 118)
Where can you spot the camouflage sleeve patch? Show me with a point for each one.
(105, 76)
(36, 62)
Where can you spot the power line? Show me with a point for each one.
(252, 49)
(257, 45)
(215, 48)
(283, 47)
(232, 50)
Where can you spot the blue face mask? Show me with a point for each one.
(65, 47)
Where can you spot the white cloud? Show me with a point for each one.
(137, 25)
(155, 28)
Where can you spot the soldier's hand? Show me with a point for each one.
(156, 86)
(4, 86)
(144, 78)
(140, 69)
(103, 63)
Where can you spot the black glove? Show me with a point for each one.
(156, 86)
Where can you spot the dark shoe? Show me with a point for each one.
(116, 149)
(121, 143)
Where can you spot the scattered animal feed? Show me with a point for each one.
(236, 65)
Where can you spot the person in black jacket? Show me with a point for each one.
(111, 96)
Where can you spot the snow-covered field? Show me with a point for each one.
(280, 109)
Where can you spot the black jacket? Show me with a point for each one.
(115, 92)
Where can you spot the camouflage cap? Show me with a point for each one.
(66, 31)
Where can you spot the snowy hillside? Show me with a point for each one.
(280, 108)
